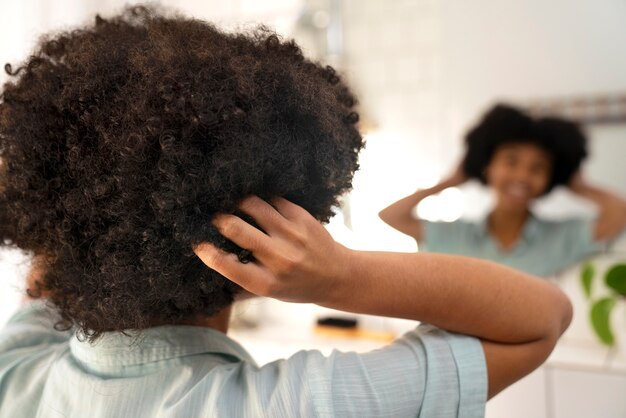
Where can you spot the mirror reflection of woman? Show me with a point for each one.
(520, 159)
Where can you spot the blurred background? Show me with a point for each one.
(424, 71)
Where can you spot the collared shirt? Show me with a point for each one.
(187, 371)
(545, 246)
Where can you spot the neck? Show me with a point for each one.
(509, 217)
(506, 225)
(219, 321)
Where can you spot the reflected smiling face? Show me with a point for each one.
(519, 173)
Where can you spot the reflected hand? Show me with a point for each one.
(296, 260)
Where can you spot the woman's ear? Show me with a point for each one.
(33, 279)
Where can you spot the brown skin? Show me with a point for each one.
(518, 173)
(218, 321)
(34, 276)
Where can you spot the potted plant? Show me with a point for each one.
(602, 307)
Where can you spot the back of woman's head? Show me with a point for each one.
(120, 141)
(561, 139)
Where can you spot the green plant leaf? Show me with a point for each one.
(600, 316)
(615, 278)
(586, 277)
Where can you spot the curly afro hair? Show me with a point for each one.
(561, 139)
(121, 140)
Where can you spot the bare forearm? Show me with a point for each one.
(298, 261)
(403, 207)
(460, 294)
(399, 214)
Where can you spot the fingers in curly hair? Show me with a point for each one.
(290, 210)
(267, 216)
(243, 234)
(250, 276)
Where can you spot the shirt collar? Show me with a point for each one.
(167, 342)
(531, 227)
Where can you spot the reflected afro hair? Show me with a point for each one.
(121, 140)
(561, 139)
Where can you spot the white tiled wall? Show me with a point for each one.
(391, 60)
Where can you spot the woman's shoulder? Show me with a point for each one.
(563, 224)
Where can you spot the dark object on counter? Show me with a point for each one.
(333, 321)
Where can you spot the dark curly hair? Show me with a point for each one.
(121, 140)
(561, 139)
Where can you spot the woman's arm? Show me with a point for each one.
(518, 318)
(612, 219)
(399, 215)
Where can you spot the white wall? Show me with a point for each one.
(391, 60)
(528, 49)
(13, 268)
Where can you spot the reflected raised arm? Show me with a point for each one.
(399, 215)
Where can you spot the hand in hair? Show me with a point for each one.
(296, 259)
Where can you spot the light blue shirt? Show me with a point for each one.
(188, 372)
(545, 247)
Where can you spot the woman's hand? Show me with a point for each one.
(296, 259)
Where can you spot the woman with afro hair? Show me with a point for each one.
(520, 159)
(156, 169)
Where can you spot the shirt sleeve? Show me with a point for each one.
(32, 325)
(443, 237)
(427, 373)
(431, 237)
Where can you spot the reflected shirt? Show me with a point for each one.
(188, 371)
(545, 247)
